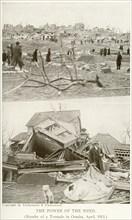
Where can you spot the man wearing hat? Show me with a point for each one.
(95, 156)
(17, 56)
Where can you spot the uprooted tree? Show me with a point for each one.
(72, 80)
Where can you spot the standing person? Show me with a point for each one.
(11, 51)
(118, 60)
(128, 51)
(81, 42)
(9, 55)
(17, 56)
(35, 58)
(95, 156)
(48, 56)
(108, 51)
(105, 51)
(35, 55)
(121, 47)
(4, 57)
(69, 52)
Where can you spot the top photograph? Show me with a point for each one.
(64, 50)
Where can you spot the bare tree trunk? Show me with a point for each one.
(44, 72)
(73, 65)
(62, 51)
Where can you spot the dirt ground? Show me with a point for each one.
(116, 83)
(29, 193)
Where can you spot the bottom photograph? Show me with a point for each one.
(66, 152)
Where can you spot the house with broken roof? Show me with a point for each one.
(50, 143)
(69, 119)
(49, 131)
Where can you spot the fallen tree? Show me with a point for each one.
(72, 80)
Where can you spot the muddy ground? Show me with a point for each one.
(116, 83)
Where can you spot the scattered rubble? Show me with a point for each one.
(106, 69)
(55, 151)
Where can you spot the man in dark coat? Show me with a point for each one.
(9, 55)
(105, 51)
(95, 156)
(48, 56)
(108, 51)
(118, 60)
(17, 56)
(4, 57)
(35, 55)
(128, 51)
(11, 47)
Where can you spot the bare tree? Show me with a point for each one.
(6, 141)
(126, 132)
(60, 107)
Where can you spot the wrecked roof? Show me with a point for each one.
(20, 137)
(40, 117)
(125, 146)
(56, 131)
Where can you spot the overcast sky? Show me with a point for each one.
(92, 14)
(98, 115)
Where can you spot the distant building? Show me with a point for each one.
(8, 26)
(96, 29)
(70, 27)
(79, 26)
(53, 26)
(19, 27)
(29, 27)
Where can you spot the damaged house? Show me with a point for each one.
(55, 149)
(52, 139)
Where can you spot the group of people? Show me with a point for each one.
(35, 56)
(7, 55)
(105, 51)
(13, 56)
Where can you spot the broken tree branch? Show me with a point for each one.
(12, 90)
(73, 65)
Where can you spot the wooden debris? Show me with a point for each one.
(64, 180)
(121, 185)
(117, 200)
(9, 166)
(50, 169)
(125, 202)
(117, 169)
